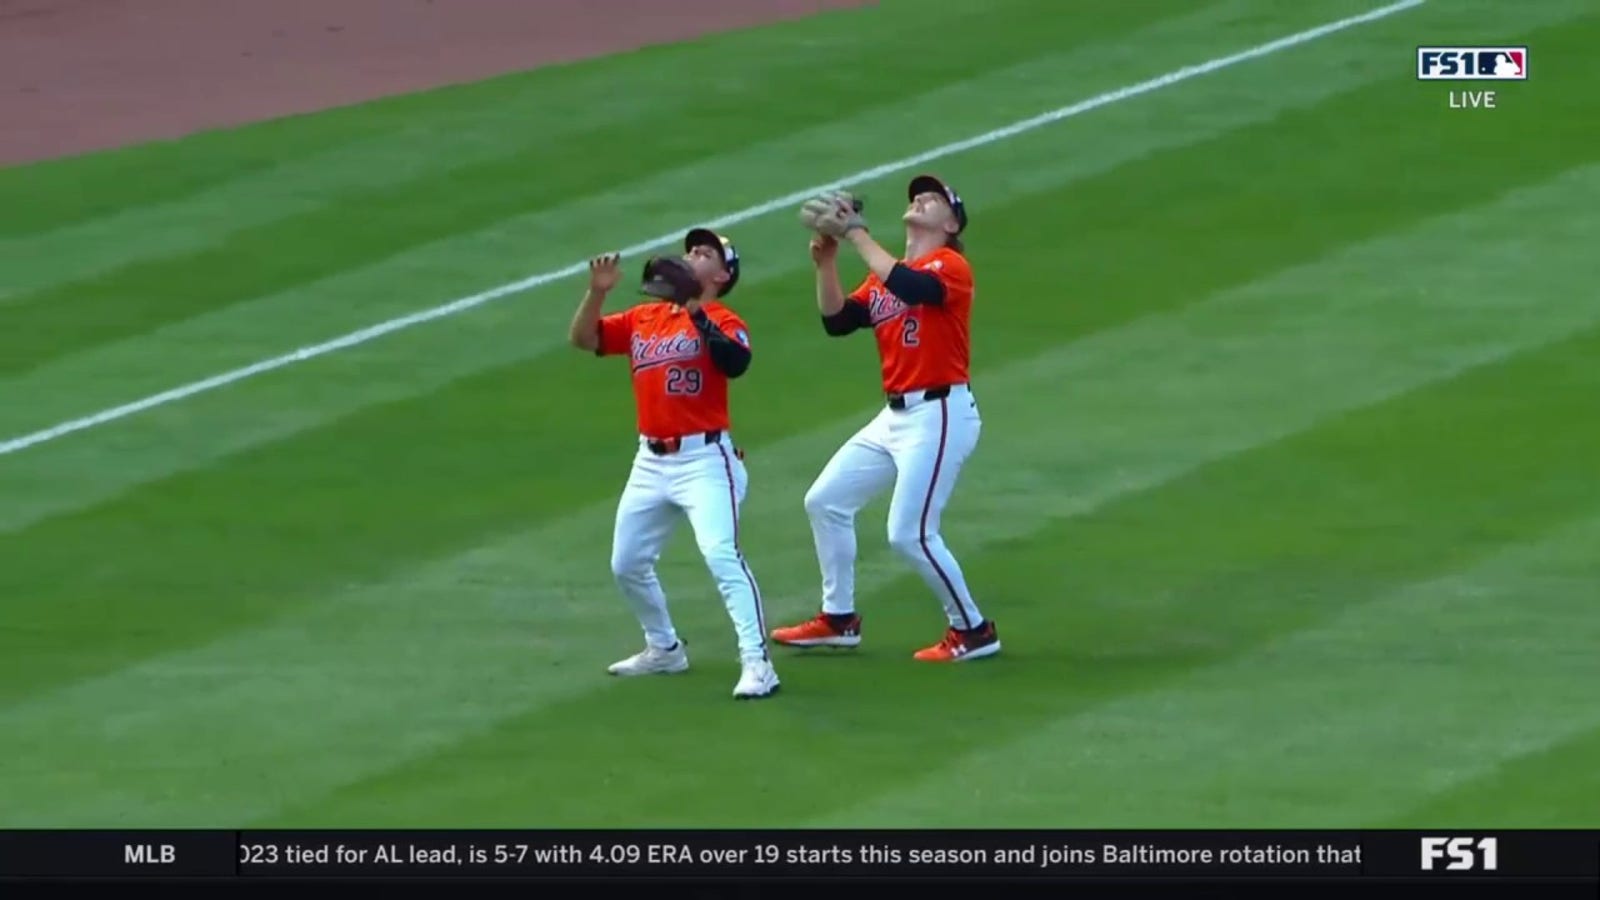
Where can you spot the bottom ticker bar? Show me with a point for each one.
(767, 855)
(820, 854)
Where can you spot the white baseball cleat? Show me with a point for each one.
(653, 661)
(758, 679)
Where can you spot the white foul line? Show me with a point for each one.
(373, 332)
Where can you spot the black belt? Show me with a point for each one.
(664, 446)
(898, 401)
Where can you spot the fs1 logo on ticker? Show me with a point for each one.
(1461, 854)
(1472, 63)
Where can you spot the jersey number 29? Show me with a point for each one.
(683, 381)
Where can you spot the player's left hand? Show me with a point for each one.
(833, 214)
(669, 278)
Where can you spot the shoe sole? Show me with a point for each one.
(841, 641)
(985, 651)
(671, 670)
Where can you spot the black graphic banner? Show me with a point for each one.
(770, 855)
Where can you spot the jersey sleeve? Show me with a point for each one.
(861, 294)
(854, 315)
(616, 333)
(727, 339)
(953, 271)
(729, 323)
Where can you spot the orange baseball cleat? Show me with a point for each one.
(960, 646)
(823, 630)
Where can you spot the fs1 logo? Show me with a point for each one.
(1472, 63)
(1464, 854)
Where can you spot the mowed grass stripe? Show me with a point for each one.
(157, 361)
(354, 227)
(1343, 725)
(56, 194)
(464, 125)
(1101, 590)
(457, 127)
(1554, 786)
(492, 451)
(1207, 237)
(431, 656)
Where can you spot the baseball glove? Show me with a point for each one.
(834, 213)
(670, 278)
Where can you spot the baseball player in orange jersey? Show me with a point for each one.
(684, 347)
(918, 309)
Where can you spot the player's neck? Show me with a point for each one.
(920, 242)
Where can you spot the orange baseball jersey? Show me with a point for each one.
(923, 345)
(677, 390)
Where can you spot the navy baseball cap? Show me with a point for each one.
(705, 237)
(924, 183)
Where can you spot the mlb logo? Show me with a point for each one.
(1472, 63)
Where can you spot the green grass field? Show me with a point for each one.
(1286, 503)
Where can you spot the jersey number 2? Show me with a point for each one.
(908, 331)
(683, 381)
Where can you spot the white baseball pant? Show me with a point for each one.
(705, 483)
(918, 450)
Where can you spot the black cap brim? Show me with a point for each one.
(924, 183)
(705, 237)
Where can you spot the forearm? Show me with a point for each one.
(584, 333)
(912, 287)
(879, 260)
(830, 292)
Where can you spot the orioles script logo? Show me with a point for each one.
(883, 306)
(656, 351)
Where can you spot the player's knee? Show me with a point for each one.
(821, 505)
(816, 504)
(629, 566)
(906, 538)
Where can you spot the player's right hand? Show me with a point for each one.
(604, 272)
(824, 249)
